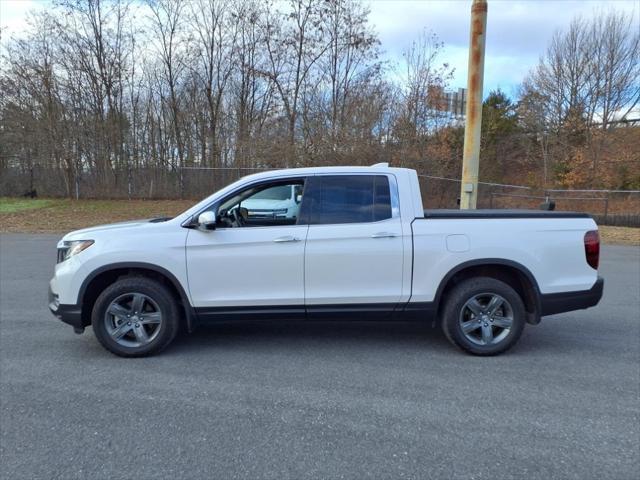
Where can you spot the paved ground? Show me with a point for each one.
(318, 401)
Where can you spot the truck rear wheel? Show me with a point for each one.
(483, 316)
(135, 317)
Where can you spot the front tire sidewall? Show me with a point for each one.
(154, 290)
(468, 289)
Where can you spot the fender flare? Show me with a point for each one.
(188, 308)
(534, 319)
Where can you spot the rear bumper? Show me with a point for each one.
(553, 303)
(70, 314)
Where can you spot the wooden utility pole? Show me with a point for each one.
(473, 121)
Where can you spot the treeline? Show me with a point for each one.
(108, 89)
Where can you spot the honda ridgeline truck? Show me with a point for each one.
(318, 243)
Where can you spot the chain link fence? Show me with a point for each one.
(608, 207)
(140, 183)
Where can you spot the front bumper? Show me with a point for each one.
(568, 301)
(70, 314)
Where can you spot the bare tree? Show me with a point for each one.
(294, 44)
(167, 27)
(253, 87)
(591, 69)
(614, 41)
(350, 58)
(426, 79)
(213, 44)
(587, 79)
(422, 93)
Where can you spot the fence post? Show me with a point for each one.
(129, 182)
(606, 206)
(181, 182)
(31, 180)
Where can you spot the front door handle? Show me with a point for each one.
(384, 235)
(287, 238)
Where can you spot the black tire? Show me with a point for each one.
(456, 312)
(164, 301)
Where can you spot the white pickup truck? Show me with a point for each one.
(357, 245)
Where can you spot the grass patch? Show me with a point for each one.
(619, 235)
(13, 205)
(63, 215)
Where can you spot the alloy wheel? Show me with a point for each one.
(133, 319)
(486, 319)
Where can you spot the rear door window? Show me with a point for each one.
(350, 199)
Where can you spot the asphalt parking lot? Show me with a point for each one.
(326, 400)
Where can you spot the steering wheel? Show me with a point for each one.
(237, 217)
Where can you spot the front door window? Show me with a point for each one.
(271, 204)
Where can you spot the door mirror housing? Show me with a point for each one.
(207, 220)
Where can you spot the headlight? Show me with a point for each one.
(69, 249)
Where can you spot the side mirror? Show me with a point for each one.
(298, 198)
(207, 220)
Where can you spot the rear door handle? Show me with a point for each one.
(287, 238)
(384, 235)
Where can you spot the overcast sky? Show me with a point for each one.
(517, 31)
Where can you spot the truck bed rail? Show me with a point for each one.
(500, 213)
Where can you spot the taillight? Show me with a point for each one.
(592, 248)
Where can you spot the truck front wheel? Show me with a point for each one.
(135, 317)
(483, 316)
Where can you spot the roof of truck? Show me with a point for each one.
(323, 170)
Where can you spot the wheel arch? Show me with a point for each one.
(103, 276)
(513, 273)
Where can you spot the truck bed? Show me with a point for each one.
(500, 213)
